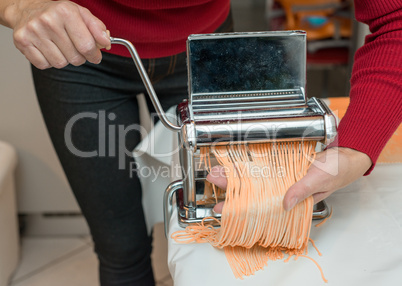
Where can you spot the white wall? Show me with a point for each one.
(41, 184)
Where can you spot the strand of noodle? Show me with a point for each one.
(313, 244)
(324, 220)
(318, 266)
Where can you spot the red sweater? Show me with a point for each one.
(375, 109)
(159, 28)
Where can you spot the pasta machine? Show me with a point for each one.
(243, 88)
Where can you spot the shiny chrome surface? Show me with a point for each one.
(250, 105)
(187, 161)
(168, 202)
(282, 129)
(247, 100)
(262, 114)
(321, 210)
(254, 62)
(189, 136)
(222, 113)
(311, 121)
(330, 122)
(201, 214)
(189, 191)
(283, 94)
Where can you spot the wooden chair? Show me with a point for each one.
(327, 22)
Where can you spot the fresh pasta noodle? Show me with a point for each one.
(324, 220)
(254, 226)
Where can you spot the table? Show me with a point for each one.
(361, 244)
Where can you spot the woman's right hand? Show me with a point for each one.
(331, 170)
(57, 33)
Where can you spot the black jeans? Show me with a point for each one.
(98, 104)
(91, 113)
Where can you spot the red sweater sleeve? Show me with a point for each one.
(375, 109)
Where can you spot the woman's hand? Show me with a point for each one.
(332, 169)
(56, 33)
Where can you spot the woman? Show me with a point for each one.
(77, 81)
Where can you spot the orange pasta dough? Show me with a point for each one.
(254, 226)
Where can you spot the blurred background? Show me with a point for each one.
(52, 242)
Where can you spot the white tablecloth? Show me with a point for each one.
(361, 244)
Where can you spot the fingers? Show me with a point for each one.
(313, 182)
(66, 48)
(97, 28)
(217, 177)
(333, 169)
(319, 182)
(87, 34)
(37, 58)
(83, 41)
(218, 207)
(58, 33)
(52, 53)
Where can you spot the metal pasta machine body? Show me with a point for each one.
(243, 88)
